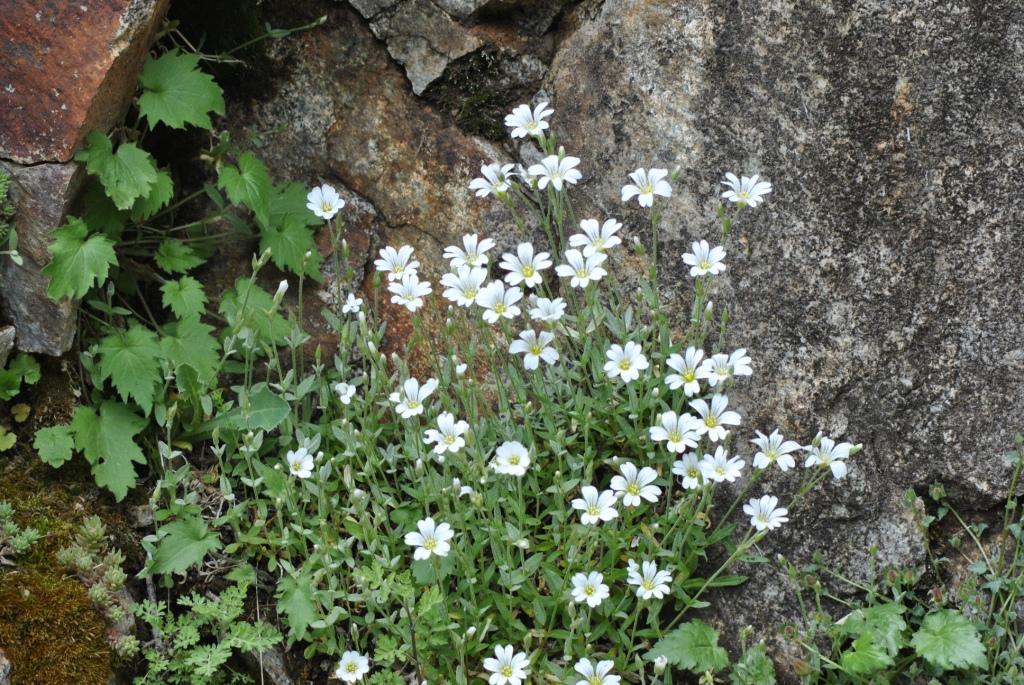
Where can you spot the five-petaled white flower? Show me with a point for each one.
(589, 588)
(721, 367)
(352, 667)
(324, 201)
(774, 450)
(300, 463)
(410, 291)
(720, 467)
(596, 674)
(557, 171)
(448, 435)
(511, 459)
(535, 347)
(463, 286)
(396, 263)
(582, 270)
(649, 581)
(525, 266)
(828, 453)
(507, 667)
(745, 191)
(646, 183)
(595, 506)
(625, 362)
(544, 309)
(678, 432)
(685, 367)
(430, 539)
(705, 259)
(495, 180)
(636, 484)
(763, 512)
(715, 418)
(352, 305)
(499, 302)
(689, 469)
(596, 238)
(473, 252)
(346, 392)
(412, 396)
(528, 122)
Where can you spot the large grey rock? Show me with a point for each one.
(7, 334)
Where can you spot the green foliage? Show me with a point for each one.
(754, 667)
(79, 262)
(54, 445)
(947, 640)
(15, 540)
(157, 198)
(184, 297)
(127, 174)
(131, 360)
(287, 232)
(174, 256)
(8, 234)
(248, 184)
(692, 646)
(176, 92)
(183, 544)
(22, 368)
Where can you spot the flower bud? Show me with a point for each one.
(660, 664)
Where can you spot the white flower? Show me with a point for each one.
(495, 180)
(508, 667)
(774, 450)
(828, 453)
(589, 588)
(745, 191)
(556, 171)
(396, 263)
(430, 539)
(594, 238)
(721, 367)
(720, 467)
(410, 292)
(448, 436)
(678, 432)
(686, 371)
(534, 347)
(282, 288)
(646, 183)
(763, 514)
(689, 468)
(595, 506)
(300, 463)
(526, 122)
(352, 305)
(714, 418)
(649, 581)
(352, 667)
(636, 485)
(525, 266)
(625, 362)
(705, 259)
(511, 459)
(582, 270)
(473, 252)
(596, 674)
(410, 399)
(324, 201)
(463, 286)
(499, 302)
(544, 309)
(345, 392)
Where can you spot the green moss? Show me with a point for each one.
(50, 631)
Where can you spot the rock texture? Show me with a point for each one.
(879, 289)
(65, 69)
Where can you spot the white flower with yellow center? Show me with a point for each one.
(774, 450)
(596, 673)
(649, 581)
(430, 538)
(507, 667)
(511, 459)
(580, 269)
(410, 291)
(589, 588)
(714, 418)
(352, 667)
(595, 506)
(546, 310)
(636, 485)
(462, 286)
(720, 467)
(525, 266)
(528, 122)
(646, 183)
(745, 191)
(721, 367)
(534, 348)
(499, 302)
(473, 252)
(324, 201)
(447, 437)
(410, 399)
(495, 180)
(557, 171)
(685, 366)
(688, 469)
(763, 513)
(596, 238)
(677, 432)
(827, 453)
(300, 463)
(396, 263)
(625, 362)
(704, 259)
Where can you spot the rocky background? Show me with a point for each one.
(878, 291)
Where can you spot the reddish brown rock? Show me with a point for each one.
(67, 68)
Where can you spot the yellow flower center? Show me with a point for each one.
(449, 439)
(694, 472)
(413, 404)
(325, 206)
(593, 510)
(689, 375)
(506, 671)
(633, 489)
(705, 264)
(471, 293)
(351, 667)
(589, 590)
(675, 436)
(429, 544)
(296, 466)
(624, 365)
(500, 308)
(536, 350)
(528, 271)
(581, 273)
(711, 421)
(514, 460)
(596, 680)
(647, 584)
